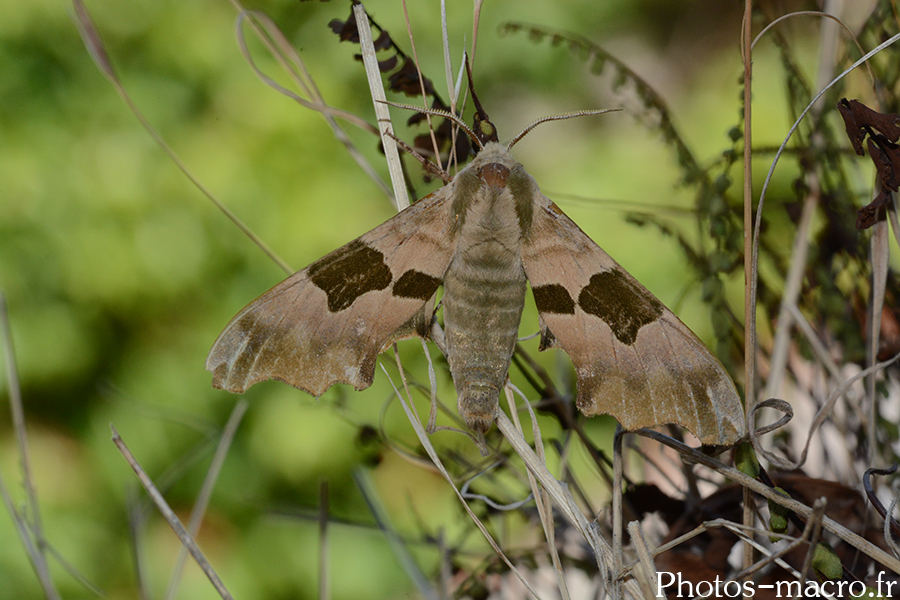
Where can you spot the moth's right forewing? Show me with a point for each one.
(327, 323)
(634, 359)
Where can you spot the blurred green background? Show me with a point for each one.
(119, 274)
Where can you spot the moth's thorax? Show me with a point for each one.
(495, 194)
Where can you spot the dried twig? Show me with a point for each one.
(171, 518)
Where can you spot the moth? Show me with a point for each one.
(484, 237)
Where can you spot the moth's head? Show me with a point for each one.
(483, 132)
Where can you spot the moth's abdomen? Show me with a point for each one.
(483, 304)
(484, 292)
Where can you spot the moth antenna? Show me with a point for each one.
(439, 113)
(430, 167)
(562, 117)
(484, 129)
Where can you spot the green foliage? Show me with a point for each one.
(778, 515)
(826, 562)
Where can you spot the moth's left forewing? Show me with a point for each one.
(327, 323)
(635, 360)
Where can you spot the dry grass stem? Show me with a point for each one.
(324, 516)
(435, 459)
(278, 46)
(97, 50)
(382, 114)
(541, 498)
(171, 518)
(814, 526)
(763, 490)
(364, 482)
(209, 483)
(28, 525)
(646, 571)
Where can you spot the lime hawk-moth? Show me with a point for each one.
(483, 237)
